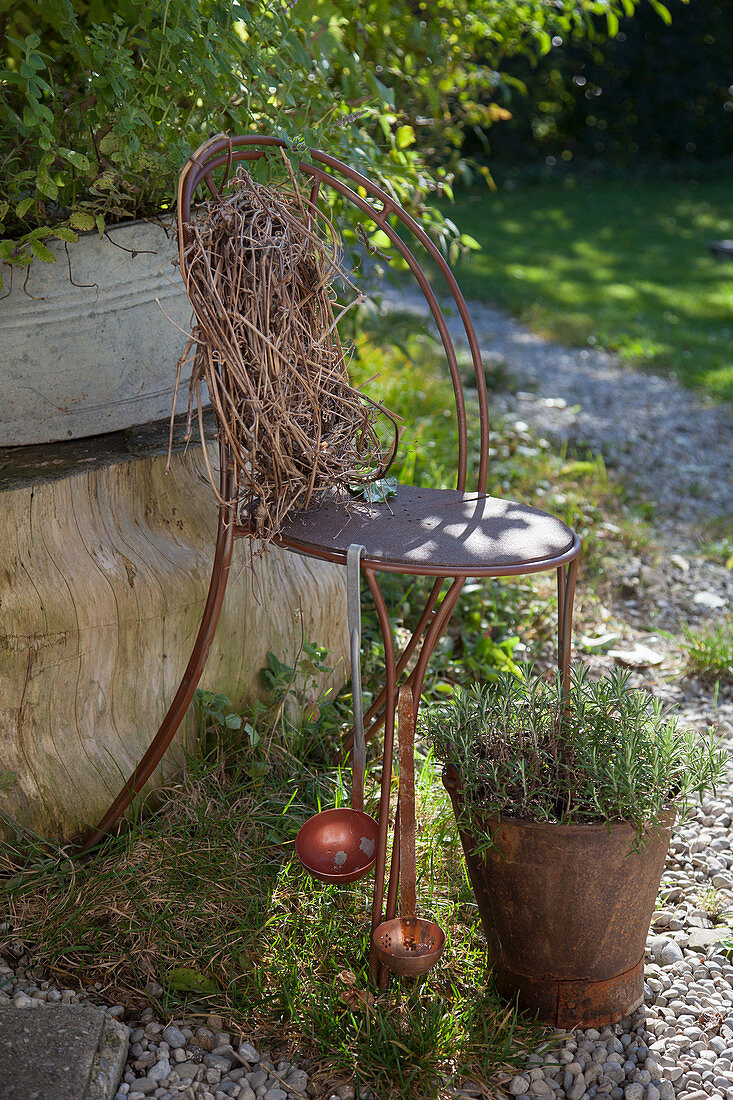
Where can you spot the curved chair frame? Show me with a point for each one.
(322, 169)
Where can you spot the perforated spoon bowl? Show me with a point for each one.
(408, 945)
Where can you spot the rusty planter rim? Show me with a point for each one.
(473, 817)
(659, 825)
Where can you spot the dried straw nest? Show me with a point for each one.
(259, 264)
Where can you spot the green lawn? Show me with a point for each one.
(623, 264)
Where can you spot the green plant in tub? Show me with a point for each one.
(565, 800)
(600, 752)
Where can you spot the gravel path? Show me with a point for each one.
(666, 445)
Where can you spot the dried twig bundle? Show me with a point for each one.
(259, 265)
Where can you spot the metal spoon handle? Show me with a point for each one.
(406, 728)
(353, 590)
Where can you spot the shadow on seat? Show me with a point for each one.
(434, 532)
(449, 534)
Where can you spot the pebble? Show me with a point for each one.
(145, 1085)
(161, 1071)
(577, 1089)
(297, 1080)
(174, 1037)
(670, 953)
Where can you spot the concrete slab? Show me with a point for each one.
(63, 1052)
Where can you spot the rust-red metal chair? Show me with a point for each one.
(449, 534)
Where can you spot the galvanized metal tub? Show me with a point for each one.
(86, 348)
(566, 911)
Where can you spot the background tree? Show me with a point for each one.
(659, 90)
(103, 101)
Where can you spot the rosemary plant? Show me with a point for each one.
(600, 753)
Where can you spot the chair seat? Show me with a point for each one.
(435, 532)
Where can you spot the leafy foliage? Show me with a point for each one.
(600, 752)
(102, 103)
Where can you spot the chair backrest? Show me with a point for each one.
(222, 152)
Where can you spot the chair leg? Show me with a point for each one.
(394, 882)
(437, 626)
(433, 636)
(186, 688)
(387, 755)
(566, 578)
(377, 706)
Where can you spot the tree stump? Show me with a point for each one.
(104, 569)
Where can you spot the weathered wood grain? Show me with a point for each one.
(103, 575)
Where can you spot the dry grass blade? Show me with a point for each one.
(259, 265)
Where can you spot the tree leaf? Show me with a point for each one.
(404, 137)
(378, 491)
(379, 239)
(46, 186)
(663, 12)
(41, 252)
(81, 220)
(77, 159)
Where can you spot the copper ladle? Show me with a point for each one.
(340, 845)
(408, 944)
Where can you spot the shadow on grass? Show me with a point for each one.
(619, 263)
(205, 898)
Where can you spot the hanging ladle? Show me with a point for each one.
(339, 845)
(408, 944)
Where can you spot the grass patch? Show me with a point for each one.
(716, 543)
(621, 263)
(207, 898)
(710, 650)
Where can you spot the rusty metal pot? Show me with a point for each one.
(566, 911)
